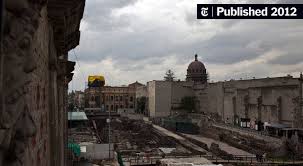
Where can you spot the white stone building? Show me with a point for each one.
(265, 100)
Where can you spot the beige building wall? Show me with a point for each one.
(165, 95)
(269, 99)
(179, 90)
(141, 91)
(214, 98)
(272, 100)
(151, 90)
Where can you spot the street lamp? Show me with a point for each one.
(108, 121)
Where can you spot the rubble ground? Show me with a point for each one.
(135, 137)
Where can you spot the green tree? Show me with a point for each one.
(169, 75)
(188, 103)
(141, 105)
(71, 101)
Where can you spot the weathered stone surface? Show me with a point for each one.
(16, 121)
(32, 115)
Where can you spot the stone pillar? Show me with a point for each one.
(61, 121)
(234, 100)
(52, 116)
(246, 105)
(301, 99)
(259, 118)
(279, 109)
(299, 102)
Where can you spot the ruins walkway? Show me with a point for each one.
(248, 132)
(227, 148)
(180, 139)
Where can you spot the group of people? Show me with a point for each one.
(260, 157)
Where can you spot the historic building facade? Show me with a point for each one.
(35, 72)
(77, 99)
(272, 101)
(112, 98)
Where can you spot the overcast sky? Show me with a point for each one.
(138, 40)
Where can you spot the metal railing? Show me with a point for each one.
(263, 134)
(141, 160)
(247, 159)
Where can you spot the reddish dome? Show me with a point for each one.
(196, 71)
(196, 65)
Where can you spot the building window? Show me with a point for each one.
(121, 106)
(106, 107)
(117, 98)
(116, 108)
(112, 98)
(98, 101)
(131, 106)
(120, 98)
(131, 98)
(112, 107)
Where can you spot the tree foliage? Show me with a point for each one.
(169, 75)
(141, 105)
(71, 101)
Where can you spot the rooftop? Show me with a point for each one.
(77, 116)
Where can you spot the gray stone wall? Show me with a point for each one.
(269, 99)
(178, 91)
(34, 95)
(23, 119)
(37, 96)
(163, 92)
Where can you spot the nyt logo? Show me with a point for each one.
(204, 11)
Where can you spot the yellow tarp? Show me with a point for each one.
(96, 80)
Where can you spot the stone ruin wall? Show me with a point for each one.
(36, 72)
(38, 96)
(270, 100)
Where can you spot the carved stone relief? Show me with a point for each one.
(16, 122)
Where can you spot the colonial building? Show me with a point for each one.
(77, 99)
(111, 98)
(266, 101)
(34, 77)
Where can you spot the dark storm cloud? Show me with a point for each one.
(98, 14)
(250, 39)
(133, 46)
(226, 47)
(229, 48)
(289, 1)
(288, 59)
(134, 42)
